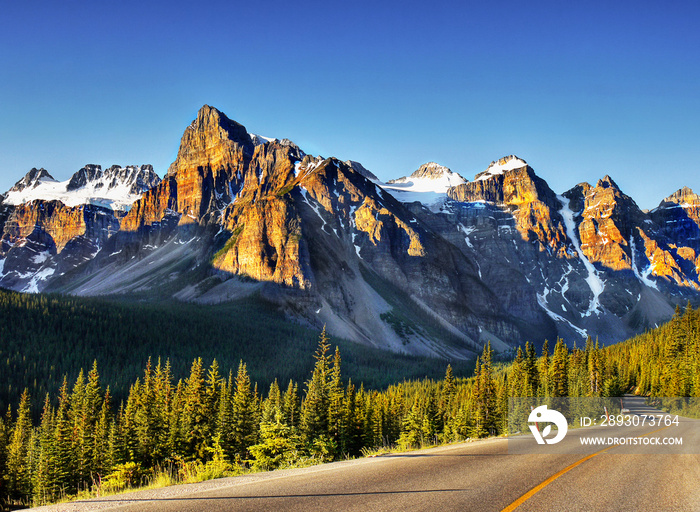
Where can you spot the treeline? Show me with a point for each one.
(44, 337)
(209, 420)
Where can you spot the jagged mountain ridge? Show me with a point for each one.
(115, 188)
(502, 257)
(50, 227)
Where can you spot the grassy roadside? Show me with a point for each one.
(196, 472)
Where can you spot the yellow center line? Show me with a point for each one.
(529, 494)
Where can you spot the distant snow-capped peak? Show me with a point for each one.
(32, 179)
(428, 185)
(431, 176)
(259, 140)
(116, 188)
(505, 164)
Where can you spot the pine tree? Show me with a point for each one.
(101, 463)
(412, 429)
(291, 409)
(350, 433)
(478, 425)
(44, 484)
(63, 440)
(142, 408)
(432, 420)
(19, 482)
(315, 407)
(449, 384)
(559, 371)
(543, 371)
(213, 389)
(224, 422)
(245, 424)
(595, 374)
(518, 376)
(272, 405)
(5, 431)
(531, 370)
(116, 444)
(195, 423)
(336, 395)
(487, 391)
(88, 417)
(81, 433)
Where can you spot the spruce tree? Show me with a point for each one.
(44, 484)
(5, 431)
(559, 376)
(195, 423)
(315, 406)
(336, 395)
(224, 421)
(272, 405)
(291, 408)
(63, 440)
(245, 424)
(19, 481)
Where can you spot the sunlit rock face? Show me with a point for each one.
(40, 239)
(511, 183)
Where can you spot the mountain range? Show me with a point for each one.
(429, 264)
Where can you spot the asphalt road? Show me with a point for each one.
(479, 476)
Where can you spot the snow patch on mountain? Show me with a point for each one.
(467, 231)
(259, 140)
(542, 301)
(501, 166)
(41, 275)
(316, 208)
(644, 275)
(595, 283)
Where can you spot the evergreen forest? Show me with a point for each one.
(44, 337)
(215, 422)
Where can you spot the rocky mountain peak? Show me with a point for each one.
(32, 179)
(435, 172)
(87, 174)
(296, 151)
(510, 180)
(683, 196)
(500, 166)
(428, 185)
(139, 178)
(607, 182)
(258, 140)
(431, 170)
(209, 119)
(132, 179)
(209, 139)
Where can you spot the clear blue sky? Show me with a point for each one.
(578, 91)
